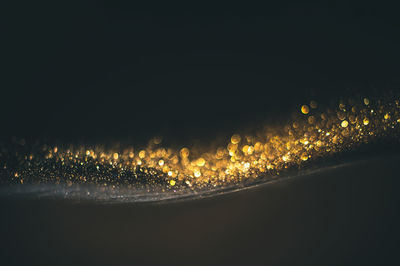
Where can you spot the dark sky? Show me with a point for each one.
(95, 69)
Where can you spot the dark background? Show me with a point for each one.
(100, 70)
(105, 71)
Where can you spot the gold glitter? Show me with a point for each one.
(240, 157)
(165, 169)
(235, 139)
(197, 173)
(142, 154)
(200, 162)
(304, 109)
(285, 158)
(184, 152)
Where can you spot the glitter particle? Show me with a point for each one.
(239, 157)
(305, 109)
(304, 156)
(235, 139)
(184, 152)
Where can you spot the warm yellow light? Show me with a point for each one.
(142, 154)
(201, 162)
(240, 156)
(305, 109)
(197, 173)
(184, 152)
(235, 139)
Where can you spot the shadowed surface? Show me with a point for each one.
(342, 216)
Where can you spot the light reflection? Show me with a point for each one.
(311, 135)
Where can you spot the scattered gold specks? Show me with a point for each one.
(240, 157)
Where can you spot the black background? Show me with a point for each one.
(100, 70)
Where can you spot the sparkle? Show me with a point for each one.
(305, 109)
(201, 162)
(142, 154)
(185, 152)
(240, 157)
(304, 156)
(197, 173)
(235, 139)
